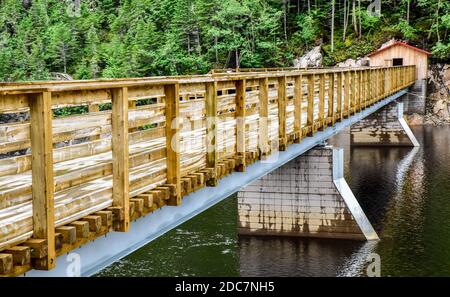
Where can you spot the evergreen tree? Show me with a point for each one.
(124, 38)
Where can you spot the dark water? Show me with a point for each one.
(405, 193)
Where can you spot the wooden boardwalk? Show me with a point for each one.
(67, 179)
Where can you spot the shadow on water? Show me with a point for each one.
(405, 193)
(204, 246)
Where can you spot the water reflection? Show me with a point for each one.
(405, 193)
(269, 256)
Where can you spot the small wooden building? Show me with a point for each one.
(398, 53)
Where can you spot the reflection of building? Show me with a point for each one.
(397, 53)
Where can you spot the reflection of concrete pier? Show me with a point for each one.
(384, 127)
(309, 195)
(306, 197)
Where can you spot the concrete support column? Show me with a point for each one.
(386, 127)
(306, 197)
(415, 100)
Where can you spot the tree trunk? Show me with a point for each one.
(217, 51)
(437, 21)
(359, 15)
(355, 23)
(285, 19)
(345, 20)
(407, 11)
(199, 46)
(332, 25)
(188, 43)
(63, 54)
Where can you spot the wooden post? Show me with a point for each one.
(391, 82)
(401, 76)
(240, 125)
(310, 108)
(172, 95)
(321, 101)
(263, 116)
(93, 108)
(370, 93)
(42, 175)
(354, 92)
(298, 97)
(363, 89)
(356, 88)
(331, 112)
(377, 85)
(119, 123)
(380, 83)
(398, 76)
(131, 106)
(406, 75)
(339, 95)
(282, 113)
(395, 79)
(388, 81)
(211, 130)
(347, 94)
(367, 88)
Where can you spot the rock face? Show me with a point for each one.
(313, 58)
(14, 117)
(415, 120)
(439, 80)
(439, 94)
(353, 63)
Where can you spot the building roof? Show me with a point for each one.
(399, 43)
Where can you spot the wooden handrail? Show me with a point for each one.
(130, 141)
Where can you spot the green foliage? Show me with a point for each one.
(70, 110)
(369, 22)
(308, 28)
(441, 50)
(350, 48)
(407, 31)
(125, 38)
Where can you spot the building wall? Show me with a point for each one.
(410, 57)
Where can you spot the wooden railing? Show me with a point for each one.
(134, 145)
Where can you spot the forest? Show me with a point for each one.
(134, 38)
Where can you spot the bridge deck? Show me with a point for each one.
(118, 158)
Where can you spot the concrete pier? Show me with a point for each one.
(415, 100)
(305, 197)
(386, 127)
